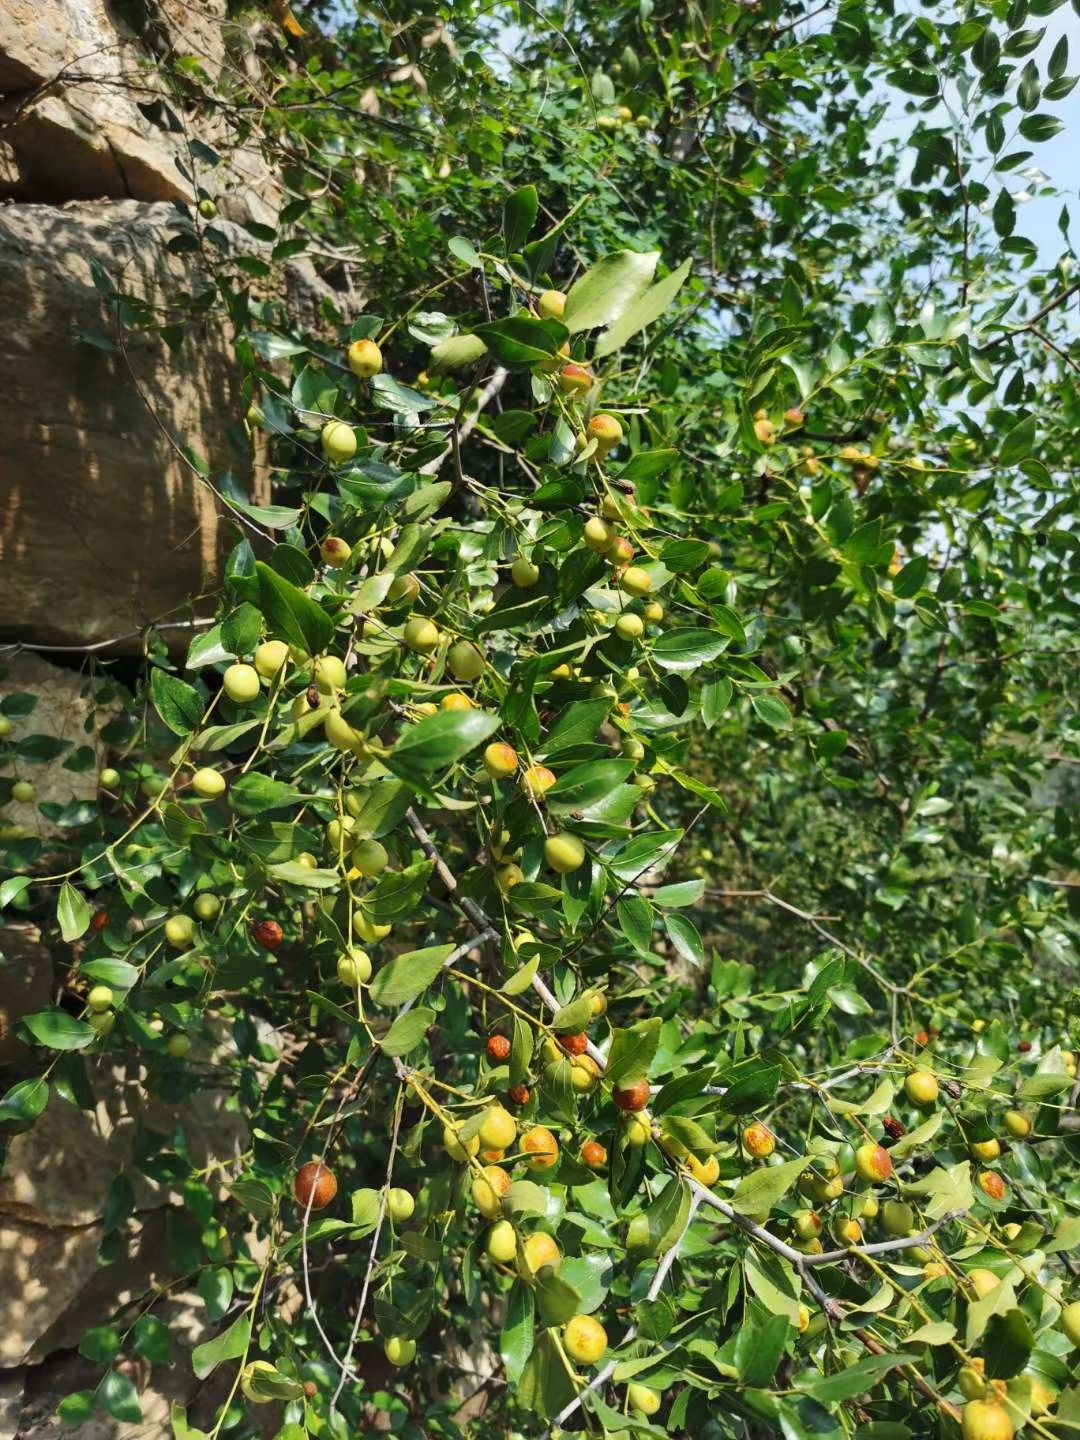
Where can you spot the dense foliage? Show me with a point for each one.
(632, 752)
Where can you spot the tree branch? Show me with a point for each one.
(482, 922)
(461, 431)
(662, 1272)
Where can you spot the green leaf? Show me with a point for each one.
(772, 1281)
(440, 740)
(761, 1340)
(456, 353)
(852, 1379)
(1040, 127)
(1042, 1085)
(153, 1341)
(604, 293)
(465, 252)
(573, 726)
(407, 976)
(516, 1340)
(58, 1030)
(407, 1031)
(522, 339)
(642, 311)
(398, 892)
(772, 710)
(758, 1192)
(646, 465)
(632, 1051)
(389, 394)
(688, 649)
(590, 1275)
(936, 1332)
(291, 614)
(254, 1195)
(519, 217)
(101, 1344)
(72, 913)
(755, 1087)
(254, 793)
(240, 630)
(1007, 1344)
(556, 1299)
(24, 1102)
(291, 872)
(1018, 443)
(120, 974)
(179, 704)
(683, 934)
(584, 785)
(77, 1407)
(12, 888)
(521, 1047)
(911, 578)
(229, 1345)
(117, 1395)
(525, 1197)
(635, 917)
(119, 1202)
(544, 1387)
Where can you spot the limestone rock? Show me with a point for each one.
(103, 525)
(75, 76)
(57, 1172)
(41, 1273)
(53, 1183)
(66, 701)
(26, 983)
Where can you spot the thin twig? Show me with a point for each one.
(374, 1248)
(482, 922)
(462, 431)
(662, 1272)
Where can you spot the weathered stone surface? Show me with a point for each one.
(103, 525)
(41, 1272)
(53, 1184)
(26, 982)
(40, 1390)
(74, 75)
(65, 702)
(57, 1173)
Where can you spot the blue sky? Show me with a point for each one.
(1058, 158)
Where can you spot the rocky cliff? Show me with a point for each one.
(105, 522)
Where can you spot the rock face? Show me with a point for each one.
(26, 985)
(104, 525)
(68, 709)
(53, 1184)
(74, 75)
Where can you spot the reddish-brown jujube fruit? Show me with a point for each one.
(574, 1044)
(498, 1048)
(315, 1185)
(268, 934)
(632, 1097)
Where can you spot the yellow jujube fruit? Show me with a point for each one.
(421, 635)
(498, 1129)
(585, 1340)
(208, 783)
(241, 684)
(365, 359)
(338, 442)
